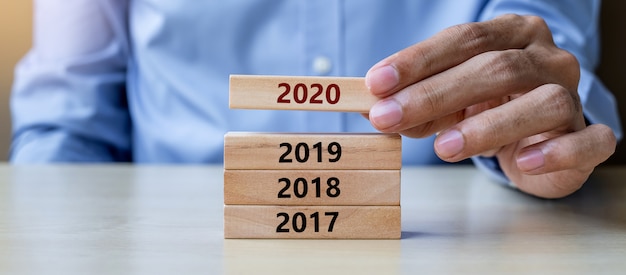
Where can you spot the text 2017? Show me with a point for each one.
(299, 222)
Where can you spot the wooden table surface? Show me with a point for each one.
(124, 219)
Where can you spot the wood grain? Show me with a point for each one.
(352, 222)
(263, 91)
(262, 151)
(356, 187)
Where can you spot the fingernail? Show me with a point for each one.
(449, 143)
(531, 160)
(385, 113)
(382, 79)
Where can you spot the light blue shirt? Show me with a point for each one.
(147, 80)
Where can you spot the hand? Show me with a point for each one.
(497, 88)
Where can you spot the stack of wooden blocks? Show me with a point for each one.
(310, 185)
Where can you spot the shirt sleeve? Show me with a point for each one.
(574, 25)
(68, 100)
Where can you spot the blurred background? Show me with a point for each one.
(15, 39)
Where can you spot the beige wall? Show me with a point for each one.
(15, 39)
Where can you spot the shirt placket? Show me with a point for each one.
(322, 22)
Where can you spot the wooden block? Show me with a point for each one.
(281, 151)
(344, 94)
(312, 222)
(312, 187)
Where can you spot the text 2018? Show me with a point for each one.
(301, 188)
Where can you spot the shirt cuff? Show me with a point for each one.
(491, 166)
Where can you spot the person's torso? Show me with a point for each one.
(184, 51)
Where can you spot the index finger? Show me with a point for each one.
(451, 47)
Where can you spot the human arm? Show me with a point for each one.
(68, 101)
(503, 88)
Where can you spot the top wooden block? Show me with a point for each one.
(341, 94)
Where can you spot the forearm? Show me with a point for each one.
(68, 101)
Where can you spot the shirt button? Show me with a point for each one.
(322, 65)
